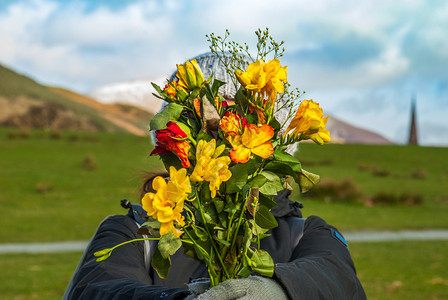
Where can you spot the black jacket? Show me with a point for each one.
(311, 258)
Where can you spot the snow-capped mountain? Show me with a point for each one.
(135, 92)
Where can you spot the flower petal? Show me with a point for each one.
(240, 154)
(265, 150)
(254, 136)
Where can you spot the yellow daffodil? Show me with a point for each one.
(209, 166)
(190, 75)
(309, 123)
(167, 204)
(254, 140)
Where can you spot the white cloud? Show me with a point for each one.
(337, 50)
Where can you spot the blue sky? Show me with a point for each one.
(362, 60)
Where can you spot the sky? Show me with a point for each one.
(362, 61)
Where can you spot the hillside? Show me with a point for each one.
(25, 103)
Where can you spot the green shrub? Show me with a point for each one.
(89, 162)
(328, 190)
(44, 187)
(419, 174)
(387, 198)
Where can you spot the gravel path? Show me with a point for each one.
(351, 236)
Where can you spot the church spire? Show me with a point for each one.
(413, 140)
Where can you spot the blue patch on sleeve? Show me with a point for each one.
(140, 215)
(339, 237)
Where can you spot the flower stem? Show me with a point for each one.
(240, 219)
(211, 270)
(218, 254)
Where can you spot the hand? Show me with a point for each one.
(250, 288)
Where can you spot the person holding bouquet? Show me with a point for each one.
(219, 224)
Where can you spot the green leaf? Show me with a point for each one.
(257, 181)
(158, 89)
(160, 264)
(267, 201)
(262, 263)
(307, 180)
(230, 207)
(152, 224)
(168, 244)
(288, 159)
(216, 85)
(275, 124)
(204, 193)
(264, 218)
(203, 136)
(224, 242)
(272, 185)
(256, 229)
(219, 205)
(253, 164)
(171, 112)
(152, 228)
(281, 168)
(238, 179)
(200, 233)
(170, 159)
(244, 272)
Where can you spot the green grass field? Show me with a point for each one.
(56, 187)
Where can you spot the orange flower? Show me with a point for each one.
(173, 139)
(197, 106)
(232, 124)
(254, 140)
(309, 123)
(167, 204)
(172, 88)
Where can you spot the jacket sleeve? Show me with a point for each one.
(123, 275)
(321, 266)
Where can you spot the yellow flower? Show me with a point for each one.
(254, 140)
(209, 166)
(190, 75)
(277, 78)
(254, 78)
(167, 204)
(309, 123)
(264, 79)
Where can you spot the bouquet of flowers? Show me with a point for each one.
(226, 159)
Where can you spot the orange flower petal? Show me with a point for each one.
(240, 154)
(254, 136)
(265, 150)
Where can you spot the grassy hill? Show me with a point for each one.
(51, 180)
(25, 103)
(57, 187)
